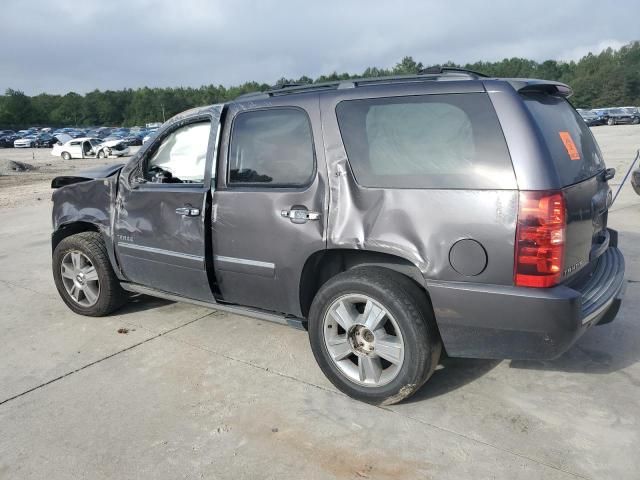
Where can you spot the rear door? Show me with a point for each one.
(75, 149)
(269, 204)
(579, 166)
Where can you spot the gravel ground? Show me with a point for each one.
(28, 188)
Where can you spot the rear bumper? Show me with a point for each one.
(493, 321)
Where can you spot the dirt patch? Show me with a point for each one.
(24, 188)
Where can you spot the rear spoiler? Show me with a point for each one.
(541, 86)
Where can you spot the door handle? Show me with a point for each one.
(300, 215)
(188, 211)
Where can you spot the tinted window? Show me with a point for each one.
(574, 151)
(181, 156)
(271, 147)
(427, 141)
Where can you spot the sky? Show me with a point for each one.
(82, 45)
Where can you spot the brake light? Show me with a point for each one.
(540, 237)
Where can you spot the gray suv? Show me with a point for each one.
(393, 218)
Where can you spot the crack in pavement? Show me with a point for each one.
(27, 288)
(385, 409)
(79, 369)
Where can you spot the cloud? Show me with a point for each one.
(74, 45)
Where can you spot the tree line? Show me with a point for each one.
(610, 78)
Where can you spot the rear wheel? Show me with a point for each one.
(611, 121)
(373, 335)
(83, 275)
(66, 156)
(101, 154)
(636, 121)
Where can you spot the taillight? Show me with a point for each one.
(540, 237)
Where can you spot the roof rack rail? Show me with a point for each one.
(280, 86)
(431, 73)
(440, 70)
(287, 88)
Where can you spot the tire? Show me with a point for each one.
(635, 121)
(66, 156)
(108, 296)
(611, 121)
(101, 154)
(407, 320)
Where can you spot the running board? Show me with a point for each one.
(295, 322)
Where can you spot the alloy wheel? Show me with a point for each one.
(80, 278)
(363, 340)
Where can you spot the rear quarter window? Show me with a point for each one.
(427, 141)
(571, 144)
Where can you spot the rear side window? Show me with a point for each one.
(271, 147)
(426, 141)
(574, 151)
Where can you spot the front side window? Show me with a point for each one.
(181, 156)
(426, 141)
(272, 147)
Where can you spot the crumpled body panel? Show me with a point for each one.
(419, 225)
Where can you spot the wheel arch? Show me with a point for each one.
(322, 265)
(72, 228)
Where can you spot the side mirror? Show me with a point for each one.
(609, 173)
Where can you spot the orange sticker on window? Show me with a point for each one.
(572, 150)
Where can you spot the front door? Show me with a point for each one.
(161, 225)
(268, 210)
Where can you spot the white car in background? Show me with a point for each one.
(25, 142)
(87, 147)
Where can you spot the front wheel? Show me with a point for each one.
(373, 334)
(101, 154)
(611, 121)
(636, 121)
(83, 275)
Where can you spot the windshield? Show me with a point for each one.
(571, 145)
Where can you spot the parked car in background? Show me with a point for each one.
(84, 147)
(45, 140)
(28, 141)
(133, 140)
(6, 140)
(88, 147)
(603, 113)
(618, 116)
(590, 117)
(115, 148)
(149, 136)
